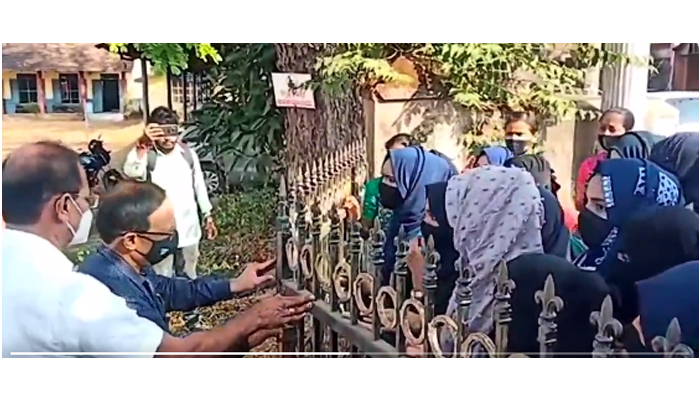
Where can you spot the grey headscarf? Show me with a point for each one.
(497, 214)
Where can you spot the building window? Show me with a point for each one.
(70, 88)
(26, 85)
(177, 90)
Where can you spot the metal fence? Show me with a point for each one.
(320, 251)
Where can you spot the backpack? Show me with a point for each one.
(152, 157)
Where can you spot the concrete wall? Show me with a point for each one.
(567, 143)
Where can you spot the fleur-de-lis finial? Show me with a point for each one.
(502, 308)
(551, 306)
(670, 345)
(505, 285)
(608, 329)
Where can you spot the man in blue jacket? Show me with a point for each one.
(136, 221)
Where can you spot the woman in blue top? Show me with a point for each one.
(405, 174)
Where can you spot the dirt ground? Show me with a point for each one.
(117, 136)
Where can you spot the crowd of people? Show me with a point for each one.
(633, 237)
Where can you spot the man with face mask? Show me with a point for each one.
(50, 310)
(161, 158)
(137, 223)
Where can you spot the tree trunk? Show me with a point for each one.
(337, 121)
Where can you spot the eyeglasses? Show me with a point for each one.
(92, 199)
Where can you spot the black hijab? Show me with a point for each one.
(630, 145)
(442, 236)
(679, 154)
(659, 240)
(538, 167)
(582, 292)
(653, 242)
(555, 235)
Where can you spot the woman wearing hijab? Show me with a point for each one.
(654, 242)
(630, 145)
(493, 155)
(619, 190)
(496, 214)
(555, 235)
(435, 224)
(657, 241)
(679, 154)
(671, 294)
(539, 168)
(405, 174)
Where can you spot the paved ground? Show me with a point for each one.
(117, 136)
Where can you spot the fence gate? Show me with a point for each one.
(320, 251)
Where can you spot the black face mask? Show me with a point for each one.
(518, 147)
(607, 142)
(592, 228)
(389, 196)
(160, 249)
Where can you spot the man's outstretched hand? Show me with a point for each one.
(255, 276)
(274, 312)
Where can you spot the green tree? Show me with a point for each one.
(175, 56)
(487, 79)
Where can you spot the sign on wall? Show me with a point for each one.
(290, 90)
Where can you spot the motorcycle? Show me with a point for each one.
(95, 162)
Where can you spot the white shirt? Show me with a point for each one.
(173, 174)
(46, 307)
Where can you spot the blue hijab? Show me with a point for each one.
(497, 155)
(414, 168)
(671, 294)
(679, 154)
(630, 186)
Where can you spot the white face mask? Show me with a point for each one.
(82, 234)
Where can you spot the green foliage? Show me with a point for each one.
(170, 55)
(246, 227)
(239, 117)
(487, 79)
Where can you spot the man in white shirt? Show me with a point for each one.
(160, 157)
(49, 308)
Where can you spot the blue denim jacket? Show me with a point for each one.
(149, 294)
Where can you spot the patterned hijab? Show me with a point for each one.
(496, 214)
(679, 154)
(631, 186)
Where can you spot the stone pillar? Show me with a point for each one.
(626, 85)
